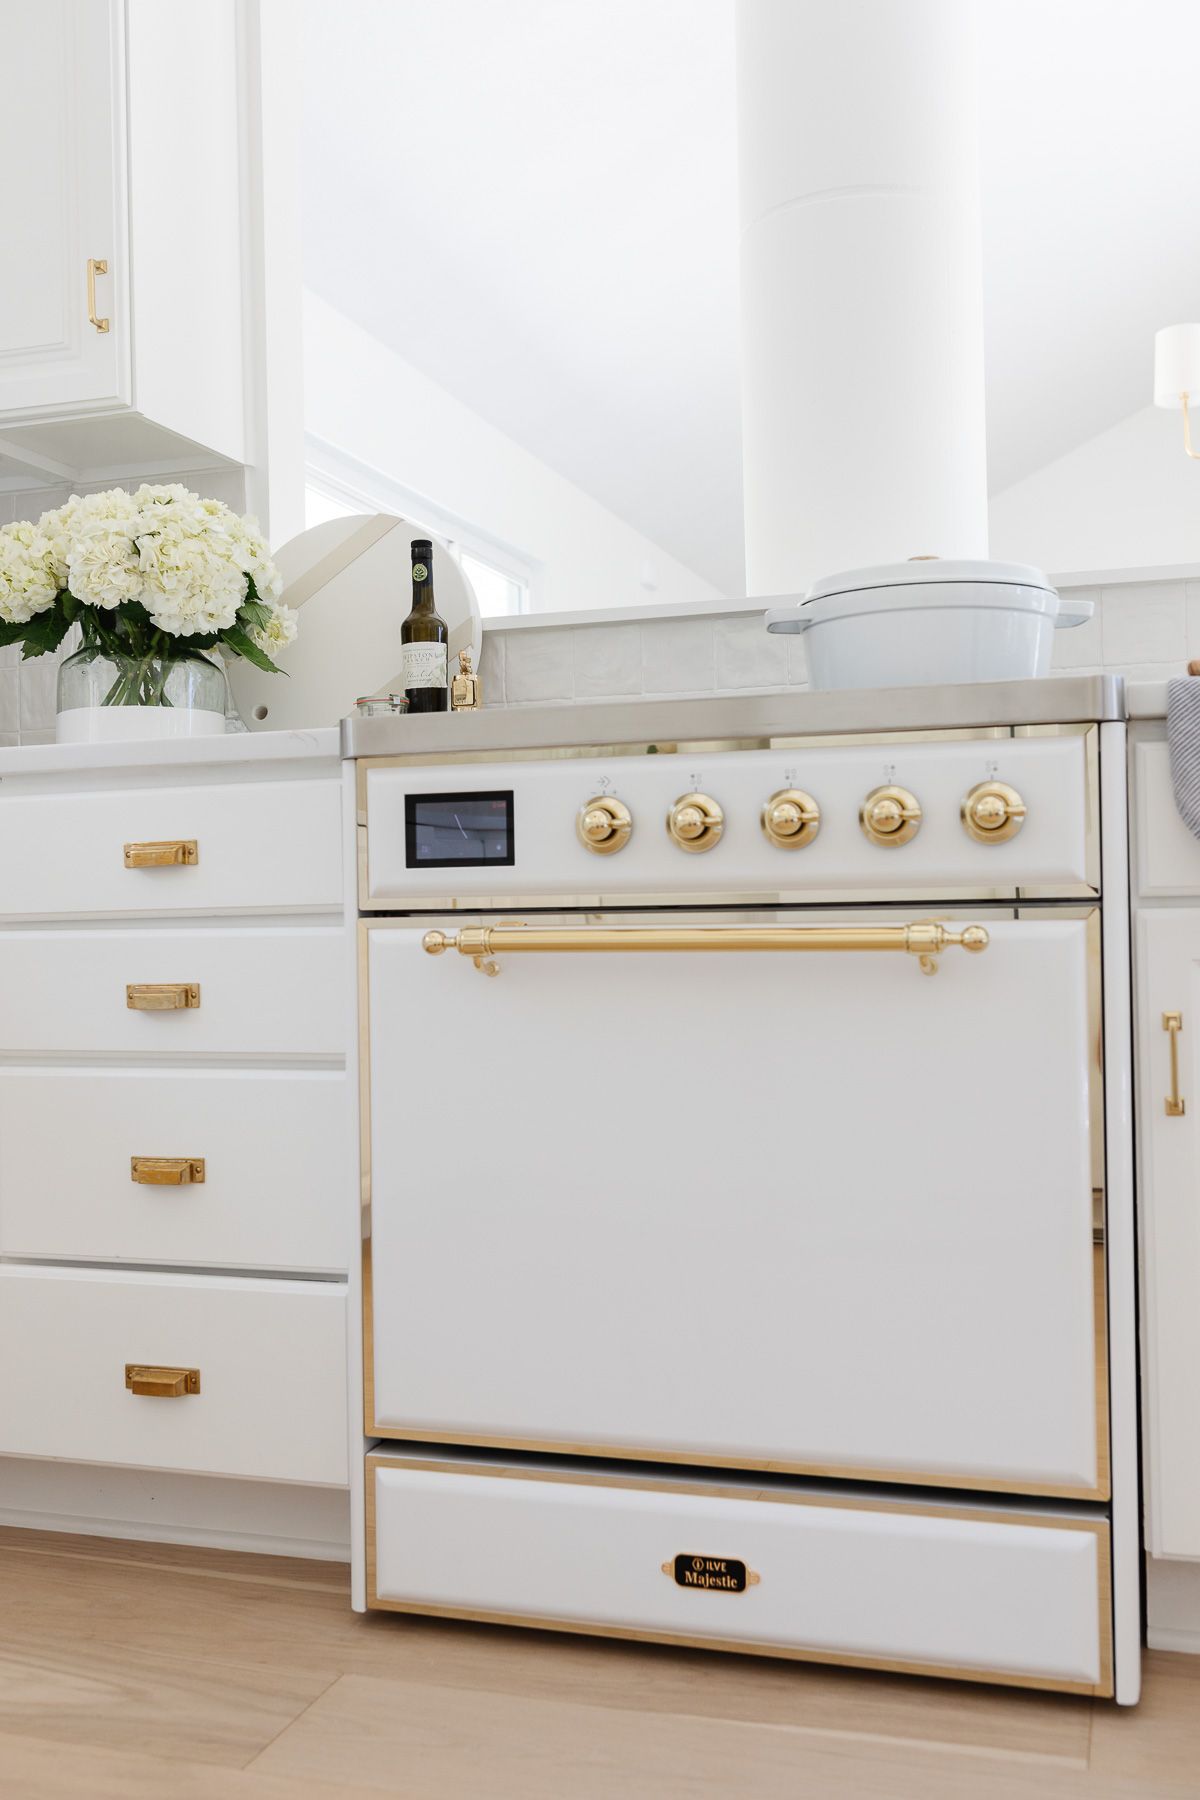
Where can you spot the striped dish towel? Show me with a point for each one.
(1183, 737)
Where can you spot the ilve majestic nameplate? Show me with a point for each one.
(717, 1574)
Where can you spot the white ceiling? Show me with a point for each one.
(534, 201)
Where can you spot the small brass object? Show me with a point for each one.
(161, 1383)
(604, 825)
(162, 996)
(172, 853)
(696, 822)
(166, 1171)
(890, 816)
(466, 694)
(993, 812)
(97, 265)
(790, 819)
(1174, 1106)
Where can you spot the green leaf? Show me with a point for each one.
(45, 632)
(241, 645)
(11, 634)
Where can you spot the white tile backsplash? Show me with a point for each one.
(10, 700)
(1145, 624)
(749, 656)
(608, 662)
(540, 665)
(1144, 630)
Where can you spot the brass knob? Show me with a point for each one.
(992, 812)
(790, 819)
(604, 825)
(890, 816)
(696, 822)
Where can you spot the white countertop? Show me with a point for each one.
(236, 748)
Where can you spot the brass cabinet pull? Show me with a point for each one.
(925, 940)
(170, 854)
(97, 265)
(1172, 1024)
(166, 1171)
(162, 1384)
(161, 996)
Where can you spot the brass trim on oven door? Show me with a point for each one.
(1101, 1689)
(939, 1478)
(796, 896)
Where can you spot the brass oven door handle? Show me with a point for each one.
(925, 940)
(1173, 1105)
(97, 265)
(161, 996)
(161, 1383)
(171, 853)
(166, 1171)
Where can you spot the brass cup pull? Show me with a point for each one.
(162, 996)
(1173, 1105)
(97, 265)
(166, 1171)
(171, 853)
(161, 1383)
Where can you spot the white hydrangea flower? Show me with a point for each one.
(192, 583)
(100, 532)
(279, 630)
(256, 557)
(29, 580)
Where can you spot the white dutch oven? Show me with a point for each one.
(925, 622)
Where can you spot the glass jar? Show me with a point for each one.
(103, 698)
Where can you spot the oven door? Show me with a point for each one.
(796, 1206)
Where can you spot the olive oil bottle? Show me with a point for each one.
(423, 637)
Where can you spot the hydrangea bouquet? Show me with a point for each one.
(152, 580)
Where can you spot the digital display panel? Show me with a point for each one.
(458, 831)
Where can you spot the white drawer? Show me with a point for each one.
(263, 845)
(1168, 856)
(274, 991)
(967, 1590)
(274, 1147)
(271, 1357)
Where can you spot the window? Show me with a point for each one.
(335, 486)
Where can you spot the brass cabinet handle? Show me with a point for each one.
(97, 265)
(1172, 1024)
(171, 853)
(161, 996)
(166, 1171)
(925, 940)
(162, 1384)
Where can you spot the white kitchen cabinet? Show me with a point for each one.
(1169, 1019)
(121, 308)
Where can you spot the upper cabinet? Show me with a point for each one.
(129, 137)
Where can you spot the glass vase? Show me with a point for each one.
(102, 699)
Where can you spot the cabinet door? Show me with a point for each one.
(1169, 1129)
(62, 149)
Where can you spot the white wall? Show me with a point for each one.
(364, 400)
(1126, 499)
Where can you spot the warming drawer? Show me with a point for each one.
(933, 1587)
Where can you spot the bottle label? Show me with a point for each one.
(424, 666)
(420, 572)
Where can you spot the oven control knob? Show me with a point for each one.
(695, 822)
(992, 812)
(604, 825)
(790, 819)
(890, 815)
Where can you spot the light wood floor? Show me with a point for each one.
(144, 1672)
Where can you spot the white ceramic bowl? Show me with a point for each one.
(924, 623)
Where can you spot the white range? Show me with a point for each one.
(748, 1256)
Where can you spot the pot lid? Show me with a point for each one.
(927, 569)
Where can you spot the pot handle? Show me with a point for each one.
(1072, 611)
